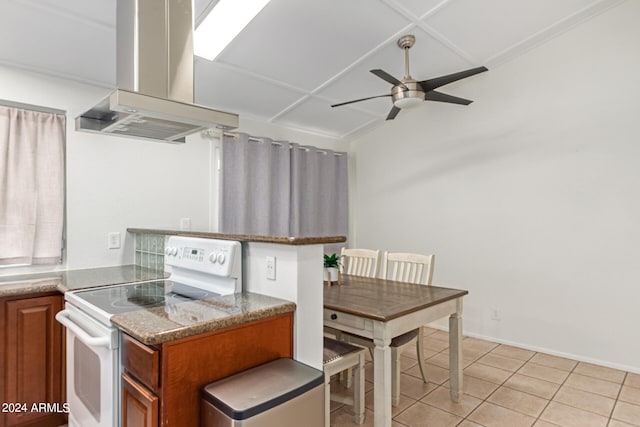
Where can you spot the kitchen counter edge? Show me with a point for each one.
(244, 237)
(154, 326)
(70, 280)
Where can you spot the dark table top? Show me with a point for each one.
(383, 300)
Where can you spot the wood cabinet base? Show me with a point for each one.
(188, 364)
(139, 405)
(31, 361)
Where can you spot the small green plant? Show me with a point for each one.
(332, 261)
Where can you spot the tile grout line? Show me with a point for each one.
(486, 399)
(626, 374)
(554, 395)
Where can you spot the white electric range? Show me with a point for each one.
(200, 268)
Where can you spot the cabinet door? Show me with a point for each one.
(139, 405)
(33, 360)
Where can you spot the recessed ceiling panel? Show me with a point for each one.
(315, 115)
(221, 88)
(428, 58)
(304, 43)
(486, 28)
(58, 44)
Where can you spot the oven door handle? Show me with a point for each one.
(101, 341)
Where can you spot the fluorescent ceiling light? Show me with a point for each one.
(223, 24)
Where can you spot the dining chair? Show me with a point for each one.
(337, 357)
(409, 268)
(360, 262)
(356, 262)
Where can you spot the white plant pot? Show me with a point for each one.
(330, 273)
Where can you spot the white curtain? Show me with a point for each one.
(282, 189)
(31, 186)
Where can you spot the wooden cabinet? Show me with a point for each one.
(31, 361)
(174, 372)
(139, 405)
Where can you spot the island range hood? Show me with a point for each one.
(154, 73)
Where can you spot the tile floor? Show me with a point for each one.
(505, 386)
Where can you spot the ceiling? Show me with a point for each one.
(297, 57)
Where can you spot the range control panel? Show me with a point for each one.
(211, 256)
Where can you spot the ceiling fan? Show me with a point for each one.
(408, 92)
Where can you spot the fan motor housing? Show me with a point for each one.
(408, 89)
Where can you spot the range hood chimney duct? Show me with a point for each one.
(154, 73)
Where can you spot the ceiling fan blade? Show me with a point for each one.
(443, 97)
(358, 100)
(386, 77)
(393, 113)
(431, 84)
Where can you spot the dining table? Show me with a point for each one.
(381, 310)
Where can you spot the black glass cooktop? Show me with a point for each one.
(134, 296)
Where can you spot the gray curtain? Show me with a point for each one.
(319, 196)
(282, 189)
(255, 186)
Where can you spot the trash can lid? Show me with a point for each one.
(259, 389)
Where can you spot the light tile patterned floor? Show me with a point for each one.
(505, 386)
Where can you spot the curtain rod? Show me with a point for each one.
(280, 143)
(38, 108)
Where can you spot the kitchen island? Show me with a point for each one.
(167, 360)
(297, 277)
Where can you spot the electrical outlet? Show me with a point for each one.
(271, 268)
(495, 314)
(185, 224)
(114, 240)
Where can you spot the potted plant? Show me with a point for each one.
(331, 267)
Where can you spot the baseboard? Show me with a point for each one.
(579, 358)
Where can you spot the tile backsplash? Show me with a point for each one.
(149, 251)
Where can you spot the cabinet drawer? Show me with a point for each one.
(344, 319)
(141, 361)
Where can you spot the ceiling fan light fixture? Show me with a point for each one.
(409, 93)
(408, 102)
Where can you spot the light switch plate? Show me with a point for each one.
(114, 240)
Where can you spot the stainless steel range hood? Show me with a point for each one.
(154, 58)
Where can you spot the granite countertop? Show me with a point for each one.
(154, 325)
(168, 323)
(284, 240)
(71, 280)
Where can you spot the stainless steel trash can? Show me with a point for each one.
(281, 393)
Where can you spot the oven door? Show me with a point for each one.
(93, 377)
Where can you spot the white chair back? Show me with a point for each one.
(360, 262)
(407, 267)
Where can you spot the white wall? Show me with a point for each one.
(114, 183)
(530, 197)
(298, 279)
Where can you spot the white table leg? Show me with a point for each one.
(455, 352)
(382, 383)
